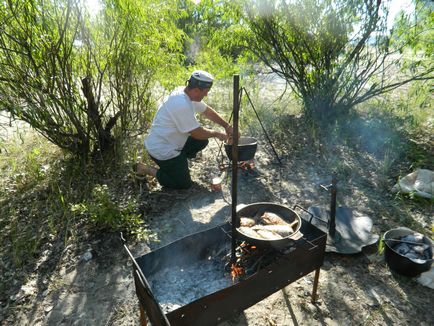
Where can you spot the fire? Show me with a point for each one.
(236, 271)
(244, 254)
(246, 248)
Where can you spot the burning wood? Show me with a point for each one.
(249, 259)
(244, 166)
(247, 165)
(236, 271)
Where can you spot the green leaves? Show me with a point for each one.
(106, 214)
(51, 51)
(333, 54)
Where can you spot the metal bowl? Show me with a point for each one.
(400, 263)
(284, 212)
(246, 149)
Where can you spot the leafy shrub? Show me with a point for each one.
(105, 213)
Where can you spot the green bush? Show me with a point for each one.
(106, 214)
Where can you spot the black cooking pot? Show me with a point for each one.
(246, 149)
(400, 263)
(284, 212)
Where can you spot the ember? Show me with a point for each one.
(236, 271)
(246, 167)
(249, 259)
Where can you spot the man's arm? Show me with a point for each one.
(204, 133)
(212, 115)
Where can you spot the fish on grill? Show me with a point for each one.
(247, 221)
(249, 232)
(266, 225)
(280, 229)
(269, 218)
(268, 235)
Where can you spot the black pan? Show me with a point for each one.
(400, 263)
(246, 149)
(284, 212)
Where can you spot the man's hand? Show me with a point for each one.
(230, 133)
(229, 130)
(221, 136)
(204, 133)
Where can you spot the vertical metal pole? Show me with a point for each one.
(236, 109)
(332, 226)
(143, 318)
(315, 286)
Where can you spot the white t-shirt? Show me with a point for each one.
(172, 124)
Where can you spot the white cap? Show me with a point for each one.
(201, 79)
(203, 76)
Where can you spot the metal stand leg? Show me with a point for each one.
(315, 286)
(262, 126)
(143, 318)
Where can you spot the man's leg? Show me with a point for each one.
(174, 173)
(193, 146)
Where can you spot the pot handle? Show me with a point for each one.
(420, 261)
(311, 215)
(296, 236)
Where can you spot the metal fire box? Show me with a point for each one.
(299, 259)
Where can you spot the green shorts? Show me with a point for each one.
(174, 173)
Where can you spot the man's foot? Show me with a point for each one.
(141, 170)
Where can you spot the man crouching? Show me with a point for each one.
(176, 135)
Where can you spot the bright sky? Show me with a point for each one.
(92, 5)
(395, 7)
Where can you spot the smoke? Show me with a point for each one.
(376, 136)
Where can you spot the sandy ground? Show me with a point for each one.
(90, 283)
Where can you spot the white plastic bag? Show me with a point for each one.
(419, 182)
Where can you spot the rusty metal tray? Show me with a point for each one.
(305, 256)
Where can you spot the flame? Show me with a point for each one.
(236, 271)
(246, 248)
(247, 165)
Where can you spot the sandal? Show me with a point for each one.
(135, 175)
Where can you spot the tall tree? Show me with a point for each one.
(203, 24)
(334, 54)
(415, 29)
(84, 81)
